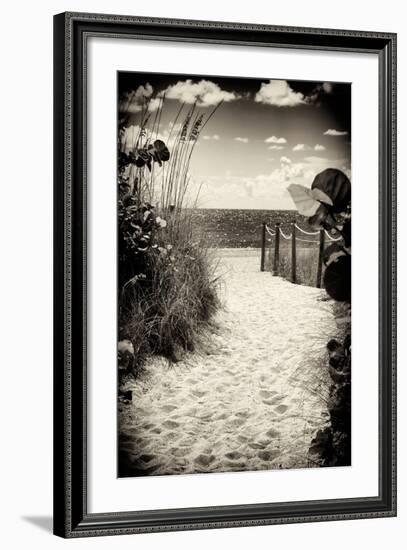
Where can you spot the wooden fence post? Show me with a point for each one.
(276, 261)
(320, 255)
(293, 255)
(263, 246)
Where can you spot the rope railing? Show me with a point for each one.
(306, 232)
(272, 239)
(310, 233)
(316, 233)
(287, 237)
(270, 231)
(332, 238)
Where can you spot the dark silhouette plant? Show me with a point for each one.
(167, 291)
(328, 206)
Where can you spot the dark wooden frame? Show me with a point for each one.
(71, 31)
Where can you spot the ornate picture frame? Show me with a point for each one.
(71, 34)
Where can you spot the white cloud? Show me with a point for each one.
(279, 94)
(285, 160)
(275, 139)
(154, 104)
(277, 147)
(133, 102)
(300, 147)
(332, 132)
(317, 160)
(205, 93)
(261, 191)
(129, 137)
(242, 139)
(215, 137)
(319, 147)
(265, 190)
(327, 87)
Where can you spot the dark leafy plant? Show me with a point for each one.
(336, 185)
(167, 289)
(328, 206)
(154, 152)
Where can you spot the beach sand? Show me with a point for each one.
(252, 401)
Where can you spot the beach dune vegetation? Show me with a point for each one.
(167, 288)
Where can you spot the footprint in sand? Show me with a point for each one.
(278, 399)
(170, 424)
(256, 446)
(172, 436)
(268, 402)
(180, 452)
(243, 414)
(231, 411)
(198, 393)
(168, 408)
(146, 458)
(273, 433)
(238, 422)
(233, 455)
(267, 455)
(205, 417)
(204, 460)
(148, 426)
(264, 442)
(188, 442)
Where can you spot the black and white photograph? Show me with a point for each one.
(199, 275)
(234, 269)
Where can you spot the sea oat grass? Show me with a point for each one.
(168, 286)
(306, 265)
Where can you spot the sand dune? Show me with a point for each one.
(254, 400)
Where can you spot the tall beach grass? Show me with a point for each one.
(168, 292)
(306, 265)
(167, 313)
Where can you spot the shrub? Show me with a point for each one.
(328, 205)
(165, 312)
(167, 283)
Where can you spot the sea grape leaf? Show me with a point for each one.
(332, 253)
(322, 219)
(337, 279)
(159, 151)
(336, 185)
(320, 196)
(303, 199)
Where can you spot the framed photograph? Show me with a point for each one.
(225, 252)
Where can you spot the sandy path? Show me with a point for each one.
(254, 400)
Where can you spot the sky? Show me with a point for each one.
(264, 134)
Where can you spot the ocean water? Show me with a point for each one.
(233, 228)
